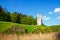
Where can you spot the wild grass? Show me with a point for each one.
(29, 28)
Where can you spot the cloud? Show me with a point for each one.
(50, 12)
(57, 10)
(46, 18)
(58, 17)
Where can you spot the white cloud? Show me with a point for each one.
(58, 17)
(57, 10)
(50, 12)
(46, 18)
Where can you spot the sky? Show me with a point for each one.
(49, 9)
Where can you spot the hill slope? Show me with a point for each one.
(21, 28)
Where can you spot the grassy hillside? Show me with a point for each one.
(10, 26)
(5, 25)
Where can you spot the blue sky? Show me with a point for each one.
(49, 9)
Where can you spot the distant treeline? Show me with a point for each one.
(16, 17)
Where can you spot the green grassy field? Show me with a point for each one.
(5, 25)
(29, 28)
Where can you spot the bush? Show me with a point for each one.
(21, 30)
(55, 28)
(8, 31)
(18, 29)
(36, 30)
(47, 30)
(26, 31)
(15, 29)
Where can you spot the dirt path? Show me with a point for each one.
(48, 36)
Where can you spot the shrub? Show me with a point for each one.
(18, 29)
(15, 29)
(55, 28)
(8, 32)
(36, 30)
(26, 31)
(47, 30)
(21, 30)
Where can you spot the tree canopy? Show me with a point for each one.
(16, 17)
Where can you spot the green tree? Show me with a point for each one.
(4, 15)
(24, 20)
(19, 17)
(35, 21)
(14, 17)
(28, 20)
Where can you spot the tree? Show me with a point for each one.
(35, 21)
(20, 16)
(4, 15)
(14, 17)
(28, 20)
(24, 20)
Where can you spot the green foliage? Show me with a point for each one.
(9, 27)
(4, 25)
(27, 23)
(47, 30)
(55, 28)
(36, 30)
(35, 21)
(14, 17)
(28, 28)
(24, 20)
(20, 29)
(4, 15)
(28, 20)
(7, 32)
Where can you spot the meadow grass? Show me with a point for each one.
(30, 28)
